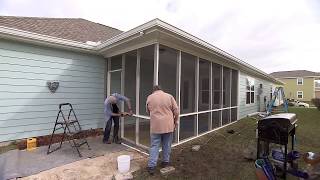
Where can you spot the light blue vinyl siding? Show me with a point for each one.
(246, 109)
(28, 108)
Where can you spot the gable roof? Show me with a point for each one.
(74, 29)
(296, 73)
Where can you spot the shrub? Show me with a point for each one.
(316, 102)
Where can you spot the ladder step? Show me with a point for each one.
(73, 133)
(78, 144)
(68, 122)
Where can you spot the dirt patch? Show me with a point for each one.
(221, 156)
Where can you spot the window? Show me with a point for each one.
(300, 94)
(299, 81)
(250, 91)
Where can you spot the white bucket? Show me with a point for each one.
(123, 163)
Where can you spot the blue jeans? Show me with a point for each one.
(156, 139)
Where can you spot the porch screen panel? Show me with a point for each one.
(216, 119)
(204, 85)
(144, 132)
(234, 114)
(115, 78)
(130, 92)
(168, 69)
(225, 116)
(216, 86)
(234, 88)
(146, 76)
(116, 62)
(188, 75)
(226, 87)
(187, 127)
(187, 93)
(203, 122)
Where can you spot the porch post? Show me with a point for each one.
(197, 96)
(108, 77)
(156, 65)
(178, 88)
(210, 96)
(138, 94)
(230, 97)
(122, 92)
(221, 95)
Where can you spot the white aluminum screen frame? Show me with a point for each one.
(178, 95)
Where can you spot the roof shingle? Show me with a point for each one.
(297, 73)
(75, 29)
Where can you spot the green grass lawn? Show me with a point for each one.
(221, 155)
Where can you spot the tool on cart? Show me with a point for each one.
(313, 161)
(71, 129)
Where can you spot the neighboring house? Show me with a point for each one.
(317, 88)
(300, 84)
(90, 61)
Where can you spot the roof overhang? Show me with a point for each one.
(164, 33)
(44, 40)
(154, 31)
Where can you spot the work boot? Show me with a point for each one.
(117, 140)
(151, 170)
(107, 142)
(164, 164)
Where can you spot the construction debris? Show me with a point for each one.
(125, 176)
(196, 148)
(167, 170)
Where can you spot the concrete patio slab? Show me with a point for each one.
(99, 168)
(15, 163)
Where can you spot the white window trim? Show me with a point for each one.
(298, 81)
(250, 91)
(298, 94)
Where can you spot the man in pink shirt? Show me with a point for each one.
(164, 115)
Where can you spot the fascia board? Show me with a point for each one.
(16, 34)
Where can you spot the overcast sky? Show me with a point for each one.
(273, 35)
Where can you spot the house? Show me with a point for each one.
(90, 60)
(301, 85)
